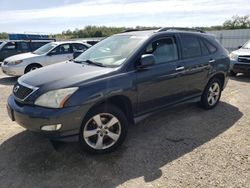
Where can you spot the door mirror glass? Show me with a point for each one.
(147, 60)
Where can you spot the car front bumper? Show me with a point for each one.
(34, 118)
(12, 70)
(239, 67)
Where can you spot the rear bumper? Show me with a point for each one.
(34, 118)
(239, 67)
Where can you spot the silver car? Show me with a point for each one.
(240, 60)
(51, 53)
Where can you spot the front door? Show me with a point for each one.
(162, 83)
(59, 54)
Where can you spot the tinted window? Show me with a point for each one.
(23, 46)
(164, 50)
(36, 45)
(77, 46)
(62, 49)
(190, 46)
(10, 46)
(204, 48)
(210, 47)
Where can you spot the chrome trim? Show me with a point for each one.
(25, 85)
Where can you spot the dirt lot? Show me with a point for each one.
(182, 147)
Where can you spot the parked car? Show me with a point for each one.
(117, 82)
(48, 54)
(240, 60)
(10, 48)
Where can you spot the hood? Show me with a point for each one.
(21, 57)
(64, 74)
(242, 51)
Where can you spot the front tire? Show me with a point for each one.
(212, 93)
(31, 67)
(103, 129)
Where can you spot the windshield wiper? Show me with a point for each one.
(90, 62)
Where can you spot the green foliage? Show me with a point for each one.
(3, 36)
(237, 22)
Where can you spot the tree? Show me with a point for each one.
(3, 35)
(237, 22)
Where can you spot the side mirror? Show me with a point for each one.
(239, 47)
(147, 60)
(77, 53)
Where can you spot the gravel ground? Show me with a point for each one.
(182, 147)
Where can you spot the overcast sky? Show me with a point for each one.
(53, 16)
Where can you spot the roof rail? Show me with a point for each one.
(181, 29)
(130, 30)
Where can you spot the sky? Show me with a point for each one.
(54, 16)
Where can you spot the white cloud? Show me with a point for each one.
(143, 8)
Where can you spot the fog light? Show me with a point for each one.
(51, 127)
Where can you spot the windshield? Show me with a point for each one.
(2, 45)
(113, 51)
(45, 49)
(246, 45)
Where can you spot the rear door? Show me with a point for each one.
(23, 47)
(196, 59)
(163, 83)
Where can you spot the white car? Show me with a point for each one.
(240, 60)
(51, 53)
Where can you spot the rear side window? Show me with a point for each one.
(77, 46)
(36, 45)
(204, 48)
(212, 49)
(23, 46)
(190, 46)
(164, 50)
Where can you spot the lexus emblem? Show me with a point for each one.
(16, 88)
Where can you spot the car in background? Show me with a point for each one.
(240, 60)
(48, 54)
(14, 47)
(117, 82)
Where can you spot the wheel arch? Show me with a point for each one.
(120, 101)
(30, 65)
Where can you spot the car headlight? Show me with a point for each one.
(233, 56)
(15, 62)
(55, 98)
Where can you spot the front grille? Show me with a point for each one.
(21, 92)
(245, 59)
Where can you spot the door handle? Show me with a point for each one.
(180, 68)
(211, 61)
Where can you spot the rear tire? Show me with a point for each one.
(212, 93)
(103, 129)
(32, 67)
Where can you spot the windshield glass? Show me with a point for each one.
(45, 49)
(247, 45)
(113, 51)
(2, 45)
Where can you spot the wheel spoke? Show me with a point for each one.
(212, 100)
(97, 119)
(90, 133)
(209, 98)
(99, 143)
(112, 135)
(211, 89)
(112, 122)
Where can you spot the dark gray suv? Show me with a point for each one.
(117, 82)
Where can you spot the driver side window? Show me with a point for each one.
(62, 49)
(164, 50)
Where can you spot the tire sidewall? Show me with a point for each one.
(204, 97)
(104, 109)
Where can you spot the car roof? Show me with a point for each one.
(66, 42)
(161, 31)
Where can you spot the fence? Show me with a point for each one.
(232, 39)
